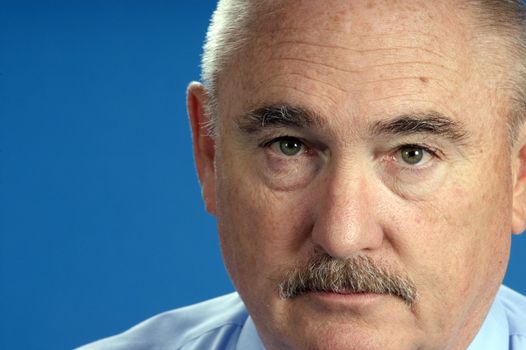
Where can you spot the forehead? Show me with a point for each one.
(360, 58)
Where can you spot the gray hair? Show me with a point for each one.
(504, 20)
(225, 36)
(357, 274)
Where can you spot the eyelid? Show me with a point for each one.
(433, 153)
(309, 148)
(270, 141)
(425, 147)
(429, 149)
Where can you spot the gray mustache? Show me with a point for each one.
(358, 274)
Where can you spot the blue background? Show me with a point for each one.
(101, 220)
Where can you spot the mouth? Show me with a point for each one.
(346, 300)
(347, 293)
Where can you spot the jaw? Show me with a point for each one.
(320, 321)
(313, 321)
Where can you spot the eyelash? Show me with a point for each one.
(415, 170)
(267, 143)
(432, 151)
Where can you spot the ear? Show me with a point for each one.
(519, 184)
(204, 144)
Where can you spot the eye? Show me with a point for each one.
(289, 146)
(414, 154)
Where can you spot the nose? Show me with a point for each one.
(346, 218)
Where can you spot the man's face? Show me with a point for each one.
(353, 130)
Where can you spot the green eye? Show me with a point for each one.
(290, 146)
(412, 155)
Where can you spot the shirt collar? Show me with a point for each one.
(249, 337)
(494, 333)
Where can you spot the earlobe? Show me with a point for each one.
(519, 190)
(203, 143)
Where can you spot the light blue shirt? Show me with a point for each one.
(224, 324)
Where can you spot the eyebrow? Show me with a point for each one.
(277, 116)
(283, 115)
(433, 123)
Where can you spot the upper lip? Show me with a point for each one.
(347, 292)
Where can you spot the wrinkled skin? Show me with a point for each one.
(445, 222)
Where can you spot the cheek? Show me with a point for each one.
(461, 245)
(258, 227)
(465, 227)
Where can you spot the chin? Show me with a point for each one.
(315, 331)
(351, 337)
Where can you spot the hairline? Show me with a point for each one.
(229, 31)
